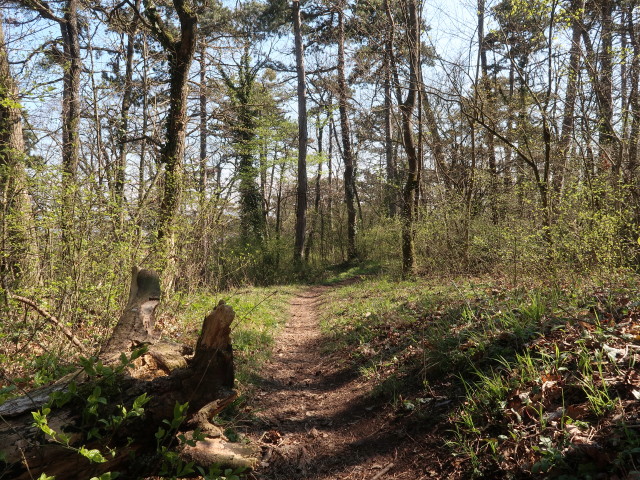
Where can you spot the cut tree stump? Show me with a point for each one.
(165, 373)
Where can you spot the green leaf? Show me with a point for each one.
(186, 469)
(140, 402)
(179, 410)
(88, 366)
(107, 476)
(138, 352)
(64, 438)
(93, 455)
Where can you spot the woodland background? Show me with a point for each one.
(166, 135)
(230, 145)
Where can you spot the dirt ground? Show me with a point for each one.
(317, 419)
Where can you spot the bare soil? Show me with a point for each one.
(318, 420)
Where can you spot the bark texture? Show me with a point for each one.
(347, 151)
(19, 261)
(301, 192)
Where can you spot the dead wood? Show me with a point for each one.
(137, 323)
(166, 373)
(382, 472)
(51, 319)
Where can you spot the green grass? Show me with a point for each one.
(260, 312)
(529, 369)
(342, 272)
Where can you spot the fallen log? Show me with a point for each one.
(124, 410)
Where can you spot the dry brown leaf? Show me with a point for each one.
(578, 411)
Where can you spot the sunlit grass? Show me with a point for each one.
(519, 364)
(260, 313)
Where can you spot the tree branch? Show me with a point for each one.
(49, 317)
(43, 9)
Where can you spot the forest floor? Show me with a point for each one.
(375, 379)
(315, 418)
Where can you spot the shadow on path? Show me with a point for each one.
(316, 417)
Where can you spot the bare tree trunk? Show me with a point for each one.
(72, 63)
(407, 107)
(202, 181)
(173, 150)
(145, 121)
(347, 152)
(316, 201)
(489, 99)
(301, 192)
(568, 118)
(19, 259)
(391, 194)
(123, 129)
(601, 71)
(634, 102)
(327, 231)
(436, 143)
(180, 52)
(607, 137)
(70, 121)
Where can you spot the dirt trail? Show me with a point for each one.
(316, 419)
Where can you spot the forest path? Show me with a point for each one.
(315, 417)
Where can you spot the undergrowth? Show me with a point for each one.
(526, 381)
(259, 315)
(260, 312)
(34, 353)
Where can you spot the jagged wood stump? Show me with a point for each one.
(205, 381)
(137, 323)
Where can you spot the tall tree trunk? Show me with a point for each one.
(487, 99)
(329, 225)
(607, 136)
(301, 192)
(202, 180)
(436, 142)
(568, 117)
(634, 103)
(123, 129)
(180, 52)
(508, 165)
(264, 194)
(347, 152)
(173, 149)
(145, 123)
(70, 31)
(252, 220)
(71, 62)
(407, 107)
(391, 193)
(317, 197)
(19, 258)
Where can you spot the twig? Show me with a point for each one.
(253, 308)
(51, 319)
(383, 471)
